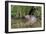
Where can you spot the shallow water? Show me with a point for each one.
(21, 23)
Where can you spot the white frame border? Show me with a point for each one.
(24, 29)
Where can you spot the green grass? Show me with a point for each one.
(19, 11)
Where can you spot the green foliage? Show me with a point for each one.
(20, 11)
(37, 12)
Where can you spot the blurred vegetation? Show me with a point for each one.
(20, 11)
